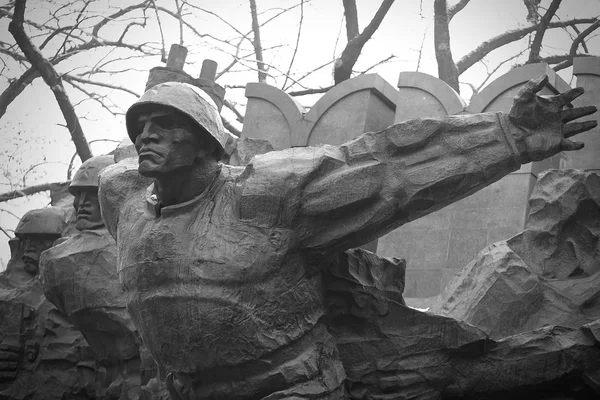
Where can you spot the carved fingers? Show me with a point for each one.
(532, 87)
(573, 128)
(570, 114)
(574, 113)
(565, 99)
(9, 358)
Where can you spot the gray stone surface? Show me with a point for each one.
(42, 355)
(391, 351)
(561, 238)
(246, 148)
(492, 214)
(226, 267)
(362, 104)
(587, 71)
(79, 276)
(549, 274)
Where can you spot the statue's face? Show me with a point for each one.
(166, 143)
(87, 207)
(33, 246)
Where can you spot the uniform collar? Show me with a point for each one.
(158, 209)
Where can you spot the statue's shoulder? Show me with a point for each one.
(282, 163)
(119, 184)
(121, 180)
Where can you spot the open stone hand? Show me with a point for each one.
(545, 130)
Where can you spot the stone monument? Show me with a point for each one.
(225, 265)
(42, 356)
(79, 276)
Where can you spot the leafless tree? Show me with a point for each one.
(449, 70)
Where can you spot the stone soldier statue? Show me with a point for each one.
(79, 277)
(42, 356)
(224, 264)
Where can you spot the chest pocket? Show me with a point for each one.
(264, 209)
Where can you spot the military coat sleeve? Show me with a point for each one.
(338, 197)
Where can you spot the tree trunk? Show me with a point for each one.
(447, 70)
(343, 65)
(262, 75)
(52, 79)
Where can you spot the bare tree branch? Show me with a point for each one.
(283, 87)
(15, 88)
(557, 59)
(421, 51)
(163, 49)
(262, 76)
(238, 115)
(536, 45)
(28, 191)
(573, 50)
(495, 69)
(447, 70)
(78, 20)
(452, 11)
(10, 212)
(344, 64)
(229, 126)
(508, 37)
(122, 11)
(309, 91)
(583, 44)
(378, 63)
(180, 18)
(51, 78)
(6, 233)
(70, 78)
(351, 14)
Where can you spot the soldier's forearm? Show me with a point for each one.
(385, 179)
(456, 157)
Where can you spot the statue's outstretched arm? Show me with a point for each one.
(353, 193)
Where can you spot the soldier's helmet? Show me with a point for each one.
(44, 221)
(185, 98)
(86, 176)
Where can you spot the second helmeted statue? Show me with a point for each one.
(79, 277)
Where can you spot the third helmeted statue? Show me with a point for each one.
(224, 265)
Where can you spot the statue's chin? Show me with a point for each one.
(84, 224)
(147, 168)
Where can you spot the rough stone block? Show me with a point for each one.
(464, 245)
(422, 282)
(421, 248)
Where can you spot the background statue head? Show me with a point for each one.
(172, 125)
(84, 187)
(37, 231)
